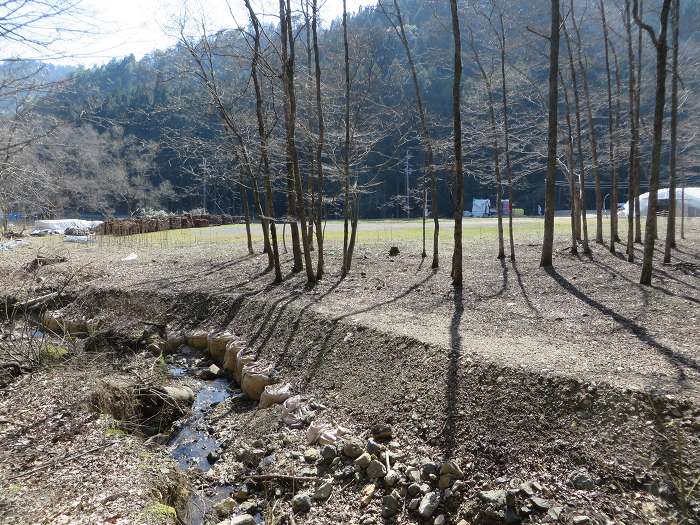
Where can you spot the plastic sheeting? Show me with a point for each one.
(691, 204)
(59, 226)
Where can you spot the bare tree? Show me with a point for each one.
(591, 128)
(290, 110)
(262, 134)
(550, 188)
(579, 142)
(661, 46)
(458, 186)
(671, 224)
(611, 134)
(426, 138)
(488, 84)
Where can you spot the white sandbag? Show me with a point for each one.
(229, 364)
(275, 395)
(216, 343)
(243, 357)
(255, 377)
(197, 339)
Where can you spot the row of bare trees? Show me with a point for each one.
(577, 66)
(301, 102)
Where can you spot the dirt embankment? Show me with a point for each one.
(508, 424)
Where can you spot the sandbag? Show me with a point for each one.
(243, 357)
(198, 339)
(275, 395)
(256, 376)
(216, 343)
(229, 364)
(174, 341)
(295, 413)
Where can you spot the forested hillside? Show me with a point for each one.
(146, 133)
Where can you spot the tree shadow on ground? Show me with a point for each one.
(452, 376)
(680, 362)
(523, 292)
(322, 351)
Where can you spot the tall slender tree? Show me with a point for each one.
(633, 164)
(592, 135)
(320, 206)
(458, 186)
(550, 195)
(661, 45)
(506, 132)
(611, 133)
(262, 133)
(290, 110)
(579, 142)
(671, 224)
(488, 84)
(426, 138)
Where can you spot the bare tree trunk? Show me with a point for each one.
(611, 135)
(346, 153)
(246, 214)
(290, 109)
(550, 188)
(683, 207)
(591, 129)
(661, 58)
(671, 225)
(425, 133)
(458, 195)
(320, 207)
(579, 143)
(571, 165)
(634, 134)
(618, 118)
(269, 202)
(506, 137)
(638, 113)
(496, 152)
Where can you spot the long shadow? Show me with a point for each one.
(680, 362)
(184, 278)
(452, 378)
(526, 297)
(612, 271)
(403, 294)
(500, 291)
(323, 350)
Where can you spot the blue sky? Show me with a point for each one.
(120, 27)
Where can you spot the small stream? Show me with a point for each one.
(191, 443)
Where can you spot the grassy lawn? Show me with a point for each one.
(370, 233)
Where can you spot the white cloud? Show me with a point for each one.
(120, 28)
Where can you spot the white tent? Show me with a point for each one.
(691, 202)
(481, 208)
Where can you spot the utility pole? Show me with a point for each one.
(205, 176)
(408, 188)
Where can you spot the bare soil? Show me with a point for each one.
(523, 375)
